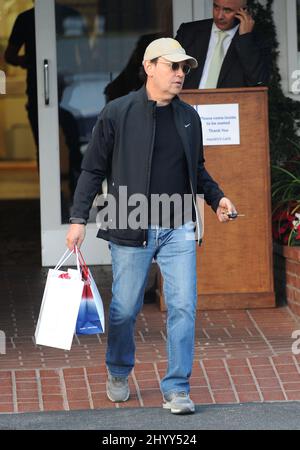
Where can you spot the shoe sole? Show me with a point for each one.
(186, 410)
(119, 400)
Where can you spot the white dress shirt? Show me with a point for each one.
(212, 43)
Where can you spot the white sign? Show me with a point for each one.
(220, 124)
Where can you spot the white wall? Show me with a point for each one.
(280, 19)
(202, 9)
(285, 18)
(182, 12)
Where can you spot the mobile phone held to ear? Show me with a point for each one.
(247, 10)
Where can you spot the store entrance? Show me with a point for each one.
(87, 53)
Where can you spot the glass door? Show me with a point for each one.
(88, 53)
(18, 168)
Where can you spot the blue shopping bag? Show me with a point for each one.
(90, 318)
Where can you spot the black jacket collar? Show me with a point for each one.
(141, 95)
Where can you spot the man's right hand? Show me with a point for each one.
(75, 236)
(246, 21)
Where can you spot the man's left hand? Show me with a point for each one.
(247, 22)
(225, 207)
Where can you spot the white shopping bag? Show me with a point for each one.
(60, 306)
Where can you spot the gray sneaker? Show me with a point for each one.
(179, 403)
(117, 388)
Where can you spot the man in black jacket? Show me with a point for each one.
(228, 48)
(148, 144)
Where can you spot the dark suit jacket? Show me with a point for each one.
(247, 61)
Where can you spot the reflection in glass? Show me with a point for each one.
(100, 45)
(18, 108)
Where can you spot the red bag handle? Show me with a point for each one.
(82, 263)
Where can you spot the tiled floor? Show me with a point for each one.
(240, 356)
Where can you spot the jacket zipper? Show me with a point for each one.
(197, 212)
(192, 190)
(149, 165)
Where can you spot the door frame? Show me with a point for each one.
(53, 232)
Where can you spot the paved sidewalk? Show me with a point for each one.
(240, 357)
(254, 416)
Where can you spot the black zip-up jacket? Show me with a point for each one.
(121, 151)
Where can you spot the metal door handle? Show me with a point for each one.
(46, 82)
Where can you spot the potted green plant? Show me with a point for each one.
(286, 232)
(284, 121)
(286, 206)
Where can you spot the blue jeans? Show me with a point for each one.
(175, 252)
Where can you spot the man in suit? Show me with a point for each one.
(227, 47)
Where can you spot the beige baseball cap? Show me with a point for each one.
(170, 49)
